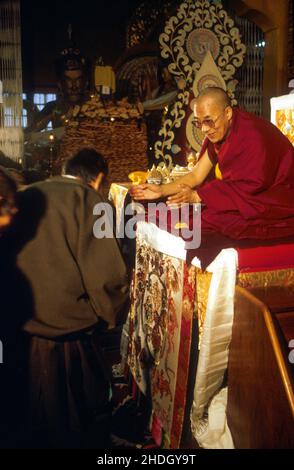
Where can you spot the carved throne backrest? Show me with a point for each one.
(203, 48)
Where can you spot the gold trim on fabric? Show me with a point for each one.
(203, 280)
(277, 277)
(264, 279)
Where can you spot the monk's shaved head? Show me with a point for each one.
(213, 113)
(218, 95)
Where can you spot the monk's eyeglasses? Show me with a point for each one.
(207, 122)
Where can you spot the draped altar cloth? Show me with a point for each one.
(213, 354)
(164, 304)
(169, 299)
(160, 327)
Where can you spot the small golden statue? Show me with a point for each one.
(154, 176)
(191, 159)
(165, 173)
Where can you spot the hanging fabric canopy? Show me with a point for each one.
(11, 135)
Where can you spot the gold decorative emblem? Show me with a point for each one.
(199, 42)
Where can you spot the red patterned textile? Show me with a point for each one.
(160, 327)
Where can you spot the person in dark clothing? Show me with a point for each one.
(79, 286)
(8, 205)
(12, 358)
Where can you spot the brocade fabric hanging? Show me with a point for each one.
(11, 134)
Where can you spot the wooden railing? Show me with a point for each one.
(260, 374)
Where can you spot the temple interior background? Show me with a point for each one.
(132, 129)
(100, 31)
(126, 37)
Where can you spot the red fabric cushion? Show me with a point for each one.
(263, 258)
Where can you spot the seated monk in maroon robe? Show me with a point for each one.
(255, 197)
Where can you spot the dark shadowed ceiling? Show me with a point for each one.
(99, 29)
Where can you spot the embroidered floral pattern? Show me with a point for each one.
(160, 325)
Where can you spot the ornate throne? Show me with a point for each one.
(204, 48)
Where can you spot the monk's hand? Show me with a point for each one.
(146, 192)
(184, 195)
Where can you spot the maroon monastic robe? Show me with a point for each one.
(255, 198)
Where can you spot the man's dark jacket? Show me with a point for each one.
(75, 278)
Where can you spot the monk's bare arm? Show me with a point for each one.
(193, 179)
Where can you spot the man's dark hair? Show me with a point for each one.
(86, 164)
(7, 193)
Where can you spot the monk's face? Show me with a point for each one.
(213, 118)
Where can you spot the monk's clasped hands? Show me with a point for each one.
(184, 195)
